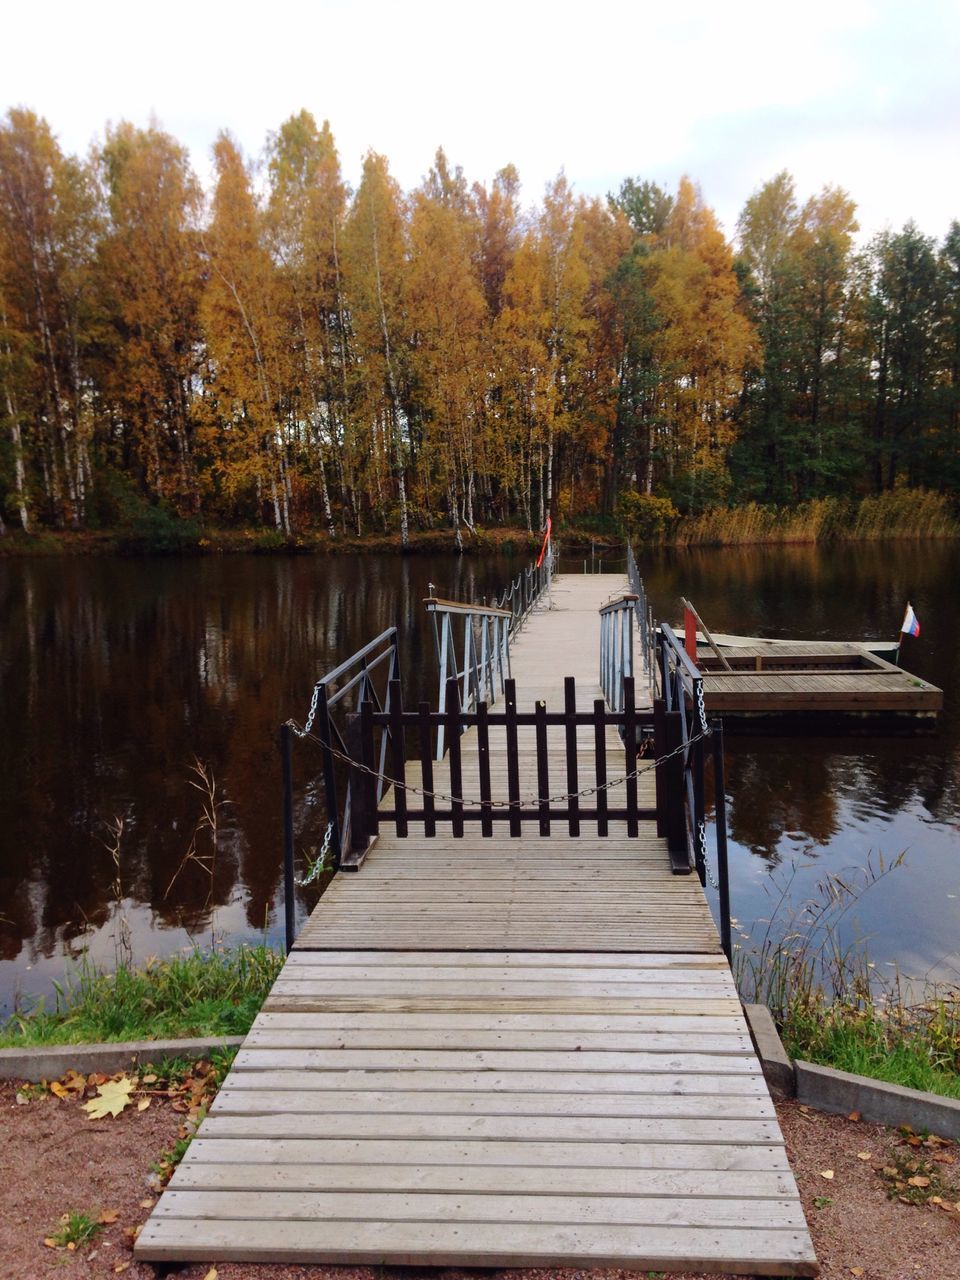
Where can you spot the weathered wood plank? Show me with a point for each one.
(592, 1181)
(766, 1252)
(290, 1206)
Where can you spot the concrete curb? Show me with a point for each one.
(50, 1062)
(841, 1092)
(777, 1065)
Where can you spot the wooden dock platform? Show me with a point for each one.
(499, 1052)
(829, 680)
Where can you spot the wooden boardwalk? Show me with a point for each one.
(499, 1052)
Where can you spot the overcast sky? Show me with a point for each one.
(864, 94)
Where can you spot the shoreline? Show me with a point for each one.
(506, 540)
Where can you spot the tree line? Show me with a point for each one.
(286, 353)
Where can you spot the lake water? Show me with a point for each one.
(117, 675)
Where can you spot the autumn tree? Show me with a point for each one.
(247, 342)
(375, 264)
(48, 230)
(150, 278)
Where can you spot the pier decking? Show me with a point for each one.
(500, 1052)
(829, 679)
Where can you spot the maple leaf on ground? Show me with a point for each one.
(111, 1098)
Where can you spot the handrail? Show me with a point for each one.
(616, 648)
(485, 653)
(646, 627)
(329, 691)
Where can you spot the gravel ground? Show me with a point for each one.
(55, 1159)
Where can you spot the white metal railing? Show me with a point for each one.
(646, 627)
(473, 647)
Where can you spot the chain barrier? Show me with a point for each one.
(311, 715)
(499, 804)
(702, 710)
(316, 868)
(702, 841)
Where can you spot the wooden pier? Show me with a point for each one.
(501, 1049)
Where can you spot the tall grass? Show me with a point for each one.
(900, 513)
(201, 993)
(830, 1003)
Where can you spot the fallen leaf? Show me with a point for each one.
(211, 1274)
(918, 1181)
(805, 1110)
(111, 1100)
(854, 1116)
(143, 1104)
(827, 1173)
(72, 1085)
(150, 1079)
(51, 1244)
(121, 1266)
(856, 1271)
(147, 1204)
(108, 1216)
(72, 1245)
(864, 1155)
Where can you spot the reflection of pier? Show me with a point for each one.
(509, 1036)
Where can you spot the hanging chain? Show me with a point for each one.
(702, 843)
(702, 710)
(311, 716)
(316, 868)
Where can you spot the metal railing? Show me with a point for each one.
(483, 663)
(616, 648)
(526, 588)
(681, 723)
(646, 628)
(365, 679)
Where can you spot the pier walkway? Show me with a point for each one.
(500, 1051)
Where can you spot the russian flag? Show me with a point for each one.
(911, 624)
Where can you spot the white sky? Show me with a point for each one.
(860, 93)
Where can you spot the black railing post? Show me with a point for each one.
(660, 750)
(720, 815)
(674, 794)
(286, 769)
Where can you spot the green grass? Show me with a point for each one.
(75, 1229)
(202, 993)
(826, 998)
(917, 1047)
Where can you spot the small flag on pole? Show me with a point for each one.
(911, 624)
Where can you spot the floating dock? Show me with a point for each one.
(839, 681)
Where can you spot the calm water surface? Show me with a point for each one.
(117, 675)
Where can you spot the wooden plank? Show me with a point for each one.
(746, 1084)
(477, 977)
(508, 1039)
(512, 959)
(487, 1060)
(734, 1184)
(389, 1206)
(480, 1154)
(516, 1080)
(767, 1252)
(245, 1101)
